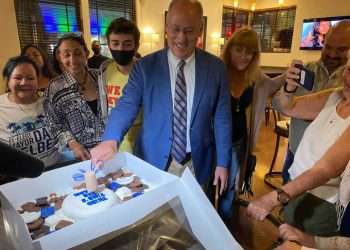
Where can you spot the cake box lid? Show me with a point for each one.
(203, 219)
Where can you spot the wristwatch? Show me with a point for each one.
(282, 196)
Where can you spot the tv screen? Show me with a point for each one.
(314, 31)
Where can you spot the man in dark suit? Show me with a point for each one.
(186, 103)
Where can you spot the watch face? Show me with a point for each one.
(283, 197)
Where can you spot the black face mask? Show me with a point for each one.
(123, 57)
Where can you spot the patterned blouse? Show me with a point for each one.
(69, 115)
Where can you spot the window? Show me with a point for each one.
(42, 22)
(275, 28)
(102, 13)
(233, 19)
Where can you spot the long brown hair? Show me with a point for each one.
(248, 38)
(46, 71)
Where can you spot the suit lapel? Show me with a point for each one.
(201, 69)
(165, 84)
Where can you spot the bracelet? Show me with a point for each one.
(289, 91)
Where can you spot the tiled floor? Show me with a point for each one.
(252, 234)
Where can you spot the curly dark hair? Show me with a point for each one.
(123, 26)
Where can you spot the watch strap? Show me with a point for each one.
(282, 196)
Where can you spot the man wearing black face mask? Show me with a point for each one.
(97, 59)
(123, 39)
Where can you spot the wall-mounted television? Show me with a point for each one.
(315, 29)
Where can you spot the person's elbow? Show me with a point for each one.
(331, 168)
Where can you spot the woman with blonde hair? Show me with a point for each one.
(250, 88)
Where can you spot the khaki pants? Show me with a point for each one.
(312, 215)
(177, 169)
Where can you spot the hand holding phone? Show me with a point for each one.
(306, 77)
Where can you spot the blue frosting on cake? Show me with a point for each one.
(46, 211)
(113, 186)
(136, 194)
(91, 198)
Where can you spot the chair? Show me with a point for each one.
(268, 109)
(281, 130)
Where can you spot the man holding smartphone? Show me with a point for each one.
(327, 72)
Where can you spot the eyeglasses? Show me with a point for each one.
(77, 34)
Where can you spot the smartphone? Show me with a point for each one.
(306, 77)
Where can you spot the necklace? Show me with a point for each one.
(237, 88)
(29, 110)
(237, 105)
(83, 83)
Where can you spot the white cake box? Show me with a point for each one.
(203, 220)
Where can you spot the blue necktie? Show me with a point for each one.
(178, 150)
